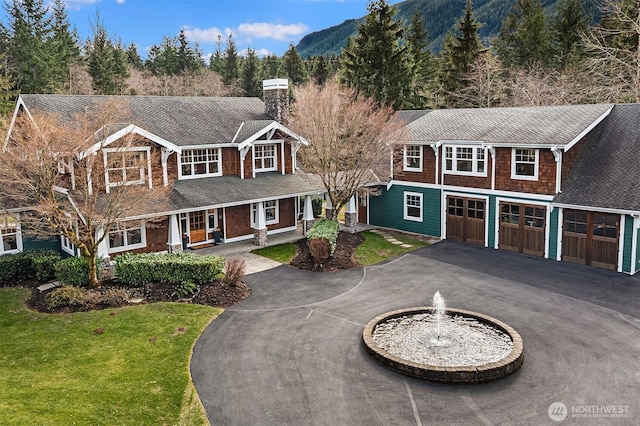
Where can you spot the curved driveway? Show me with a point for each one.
(291, 354)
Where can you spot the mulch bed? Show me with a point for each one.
(343, 257)
(219, 293)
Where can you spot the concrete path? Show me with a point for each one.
(291, 354)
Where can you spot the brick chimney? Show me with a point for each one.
(276, 99)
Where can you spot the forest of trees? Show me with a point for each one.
(539, 57)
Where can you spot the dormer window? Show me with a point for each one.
(413, 158)
(464, 160)
(200, 162)
(126, 166)
(264, 158)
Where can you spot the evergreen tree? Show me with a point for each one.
(269, 66)
(63, 46)
(107, 62)
(133, 57)
(216, 62)
(319, 70)
(569, 24)
(524, 39)
(7, 93)
(231, 59)
(188, 57)
(422, 70)
(28, 56)
(250, 83)
(374, 63)
(151, 63)
(459, 53)
(293, 66)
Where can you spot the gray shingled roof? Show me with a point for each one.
(228, 190)
(181, 120)
(250, 128)
(551, 125)
(606, 173)
(411, 115)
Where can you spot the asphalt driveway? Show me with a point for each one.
(291, 354)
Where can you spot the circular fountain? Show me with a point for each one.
(444, 345)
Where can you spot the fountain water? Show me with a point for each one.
(445, 345)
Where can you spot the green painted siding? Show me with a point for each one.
(553, 233)
(491, 217)
(387, 210)
(627, 243)
(31, 243)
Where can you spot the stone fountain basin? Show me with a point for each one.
(459, 374)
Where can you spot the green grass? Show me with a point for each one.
(282, 253)
(376, 249)
(55, 370)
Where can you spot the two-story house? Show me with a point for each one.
(230, 164)
(557, 182)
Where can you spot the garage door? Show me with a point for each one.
(465, 219)
(590, 238)
(522, 228)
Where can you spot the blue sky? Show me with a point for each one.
(264, 25)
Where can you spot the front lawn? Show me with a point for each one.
(282, 253)
(376, 249)
(115, 366)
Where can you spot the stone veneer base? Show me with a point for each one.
(462, 374)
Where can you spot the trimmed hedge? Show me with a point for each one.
(38, 265)
(169, 268)
(75, 271)
(327, 229)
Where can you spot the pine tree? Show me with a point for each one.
(269, 66)
(63, 46)
(216, 62)
(459, 53)
(319, 70)
(7, 93)
(524, 38)
(133, 57)
(250, 83)
(28, 56)
(107, 62)
(374, 63)
(293, 66)
(231, 67)
(422, 70)
(570, 22)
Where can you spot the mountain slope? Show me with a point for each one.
(440, 17)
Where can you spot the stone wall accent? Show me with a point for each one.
(351, 219)
(260, 237)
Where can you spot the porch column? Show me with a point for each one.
(328, 208)
(260, 231)
(103, 247)
(307, 215)
(351, 214)
(174, 243)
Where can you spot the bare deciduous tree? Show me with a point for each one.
(55, 168)
(350, 138)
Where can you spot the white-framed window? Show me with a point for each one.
(264, 158)
(200, 162)
(271, 212)
(126, 166)
(413, 206)
(524, 163)
(126, 236)
(67, 245)
(465, 160)
(10, 235)
(413, 158)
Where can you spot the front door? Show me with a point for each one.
(522, 228)
(362, 207)
(591, 238)
(197, 227)
(465, 219)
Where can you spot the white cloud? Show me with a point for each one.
(280, 32)
(119, 1)
(205, 35)
(77, 4)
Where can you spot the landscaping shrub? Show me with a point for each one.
(325, 228)
(170, 268)
(114, 296)
(185, 289)
(38, 265)
(74, 271)
(320, 249)
(64, 296)
(235, 270)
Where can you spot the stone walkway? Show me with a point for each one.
(390, 239)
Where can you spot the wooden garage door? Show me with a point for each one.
(522, 228)
(465, 219)
(590, 238)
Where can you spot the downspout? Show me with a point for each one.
(557, 155)
(492, 151)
